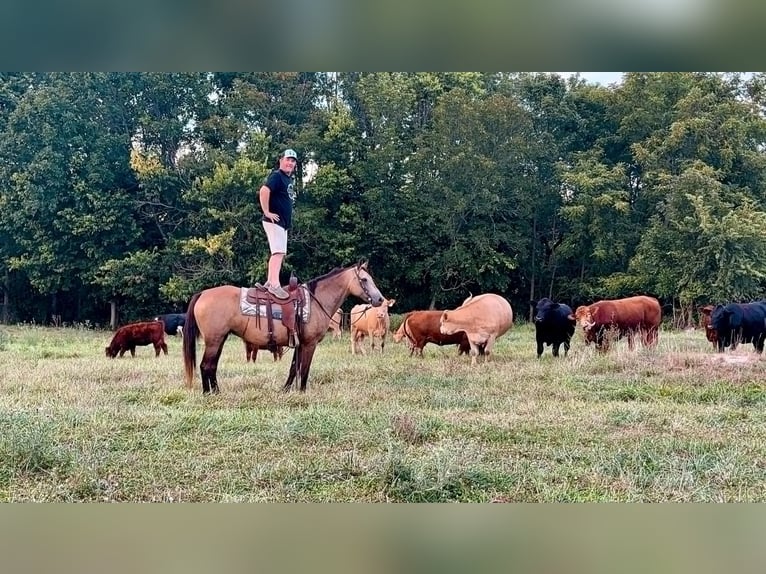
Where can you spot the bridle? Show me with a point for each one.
(362, 285)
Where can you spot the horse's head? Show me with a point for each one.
(364, 287)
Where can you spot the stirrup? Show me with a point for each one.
(278, 292)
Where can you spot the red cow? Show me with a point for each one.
(128, 337)
(706, 321)
(607, 320)
(251, 352)
(422, 327)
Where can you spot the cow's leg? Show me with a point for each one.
(566, 347)
(539, 347)
(555, 349)
(133, 351)
(490, 343)
(156, 349)
(306, 357)
(382, 344)
(630, 336)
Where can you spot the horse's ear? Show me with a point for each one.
(362, 264)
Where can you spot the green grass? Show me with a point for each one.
(678, 423)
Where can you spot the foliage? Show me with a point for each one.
(141, 188)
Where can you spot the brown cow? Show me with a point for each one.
(251, 352)
(422, 327)
(128, 337)
(336, 324)
(612, 319)
(706, 321)
(367, 321)
(484, 318)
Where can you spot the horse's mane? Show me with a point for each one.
(312, 284)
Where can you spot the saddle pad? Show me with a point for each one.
(276, 310)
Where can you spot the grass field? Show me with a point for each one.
(678, 423)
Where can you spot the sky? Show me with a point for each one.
(603, 78)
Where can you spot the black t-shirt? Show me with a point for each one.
(281, 197)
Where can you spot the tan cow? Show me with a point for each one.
(372, 322)
(336, 324)
(484, 318)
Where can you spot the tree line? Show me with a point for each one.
(122, 194)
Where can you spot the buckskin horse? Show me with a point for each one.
(215, 313)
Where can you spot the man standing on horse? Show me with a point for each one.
(276, 197)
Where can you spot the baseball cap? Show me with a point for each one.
(290, 153)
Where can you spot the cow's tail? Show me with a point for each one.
(407, 332)
(191, 332)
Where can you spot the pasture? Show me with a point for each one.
(677, 423)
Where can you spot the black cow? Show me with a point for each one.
(554, 325)
(740, 323)
(174, 322)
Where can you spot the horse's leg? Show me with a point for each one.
(291, 375)
(208, 367)
(307, 354)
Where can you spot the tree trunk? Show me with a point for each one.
(534, 257)
(114, 315)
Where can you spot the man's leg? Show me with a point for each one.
(275, 266)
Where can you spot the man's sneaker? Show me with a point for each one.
(278, 292)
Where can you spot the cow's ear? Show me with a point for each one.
(571, 318)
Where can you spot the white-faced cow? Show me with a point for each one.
(174, 322)
(483, 318)
(740, 323)
(368, 321)
(554, 325)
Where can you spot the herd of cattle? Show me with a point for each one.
(476, 324)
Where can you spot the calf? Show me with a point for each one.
(422, 327)
(174, 322)
(251, 351)
(367, 321)
(554, 325)
(128, 337)
(739, 323)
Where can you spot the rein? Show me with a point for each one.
(361, 284)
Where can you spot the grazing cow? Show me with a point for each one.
(367, 321)
(740, 323)
(484, 318)
(422, 327)
(128, 337)
(615, 318)
(706, 321)
(336, 324)
(251, 352)
(554, 325)
(174, 322)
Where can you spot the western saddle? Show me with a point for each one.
(291, 311)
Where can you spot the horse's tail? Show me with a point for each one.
(191, 332)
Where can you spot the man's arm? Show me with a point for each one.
(263, 195)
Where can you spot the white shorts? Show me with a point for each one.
(277, 236)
